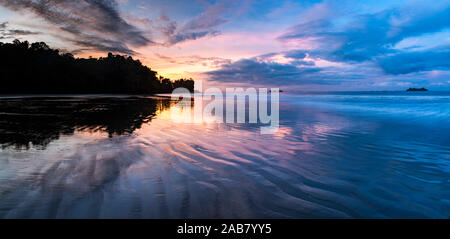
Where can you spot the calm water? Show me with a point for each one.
(338, 155)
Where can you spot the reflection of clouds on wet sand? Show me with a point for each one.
(201, 169)
(318, 164)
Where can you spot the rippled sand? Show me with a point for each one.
(331, 158)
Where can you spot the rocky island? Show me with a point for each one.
(417, 89)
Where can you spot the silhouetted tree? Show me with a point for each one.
(38, 69)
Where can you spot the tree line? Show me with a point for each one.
(38, 69)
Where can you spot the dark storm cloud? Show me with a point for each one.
(95, 24)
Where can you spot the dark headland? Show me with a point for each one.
(416, 89)
(38, 69)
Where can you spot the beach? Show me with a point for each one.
(335, 155)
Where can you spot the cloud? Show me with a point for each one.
(408, 62)
(371, 38)
(296, 54)
(252, 71)
(16, 32)
(183, 36)
(349, 48)
(98, 25)
(194, 60)
(206, 24)
(361, 47)
(95, 24)
(7, 33)
(368, 36)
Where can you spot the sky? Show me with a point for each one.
(293, 45)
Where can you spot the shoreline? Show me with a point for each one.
(11, 96)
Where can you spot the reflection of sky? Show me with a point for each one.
(323, 162)
(300, 45)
